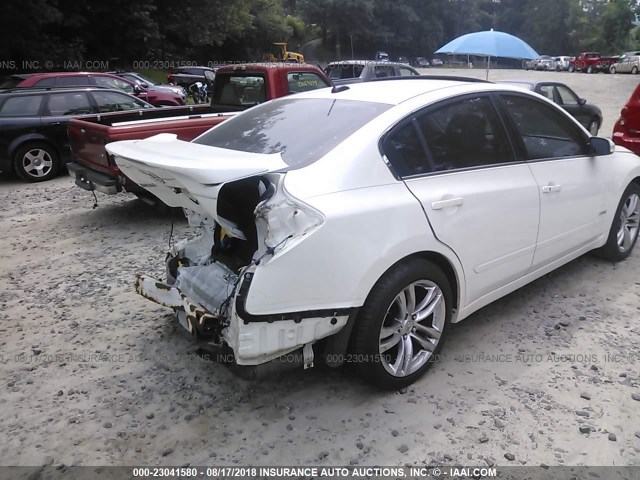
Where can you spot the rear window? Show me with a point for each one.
(22, 106)
(239, 90)
(343, 71)
(303, 130)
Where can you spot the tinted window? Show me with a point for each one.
(384, 71)
(406, 72)
(110, 82)
(74, 80)
(46, 82)
(465, 134)
(303, 130)
(116, 102)
(22, 106)
(405, 152)
(68, 103)
(305, 81)
(546, 91)
(545, 132)
(343, 71)
(567, 96)
(239, 90)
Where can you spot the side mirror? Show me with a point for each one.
(601, 146)
(582, 101)
(136, 89)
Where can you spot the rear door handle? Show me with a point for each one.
(452, 202)
(55, 123)
(551, 188)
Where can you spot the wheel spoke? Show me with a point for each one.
(425, 344)
(408, 354)
(626, 243)
(431, 332)
(632, 205)
(410, 294)
(389, 330)
(390, 342)
(402, 305)
(426, 312)
(40, 155)
(427, 299)
(29, 166)
(30, 156)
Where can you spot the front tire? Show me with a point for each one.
(624, 230)
(589, 69)
(403, 324)
(612, 70)
(572, 69)
(634, 71)
(36, 162)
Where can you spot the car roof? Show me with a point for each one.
(33, 90)
(392, 92)
(365, 62)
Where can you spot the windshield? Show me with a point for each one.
(303, 130)
(144, 79)
(11, 82)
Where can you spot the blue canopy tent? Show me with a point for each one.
(490, 44)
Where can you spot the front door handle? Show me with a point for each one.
(452, 202)
(551, 188)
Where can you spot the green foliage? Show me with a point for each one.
(205, 30)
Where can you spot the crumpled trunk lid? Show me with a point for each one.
(188, 175)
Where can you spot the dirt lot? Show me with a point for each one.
(94, 375)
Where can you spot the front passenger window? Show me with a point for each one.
(545, 133)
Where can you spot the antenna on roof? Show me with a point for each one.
(339, 88)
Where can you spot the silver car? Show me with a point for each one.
(629, 62)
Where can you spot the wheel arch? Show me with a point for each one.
(21, 141)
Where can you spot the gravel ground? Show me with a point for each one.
(92, 374)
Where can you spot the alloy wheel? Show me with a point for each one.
(412, 328)
(629, 222)
(37, 163)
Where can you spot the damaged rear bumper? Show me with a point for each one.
(193, 317)
(254, 339)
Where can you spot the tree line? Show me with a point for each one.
(123, 32)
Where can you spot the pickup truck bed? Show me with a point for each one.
(93, 168)
(236, 88)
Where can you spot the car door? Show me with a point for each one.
(457, 160)
(572, 209)
(58, 108)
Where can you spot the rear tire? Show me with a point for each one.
(36, 162)
(402, 325)
(589, 69)
(612, 70)
(634, 70)
(623, 234)
(572, 69)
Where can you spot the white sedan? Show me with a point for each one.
(359, 222)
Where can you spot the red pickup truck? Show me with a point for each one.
(236, 88)
(591, 62)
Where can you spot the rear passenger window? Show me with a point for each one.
(305, 81)
(404, 151)
(406, 72)
(22, 106)
(545, 133)
(384, 71)
(465, 134)
(68, 103)
(74, 80)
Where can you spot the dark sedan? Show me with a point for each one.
(588, 115)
